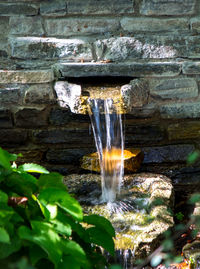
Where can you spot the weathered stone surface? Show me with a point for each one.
(148, 198)
(54, 8)
(39, 94)
(75, 26)
(66, 135)
(126, 48)
(11, 137)
(176, 88)
(172, 7)
(180, 110)
(18, 9)
(193, 46)
(192, 252)
(66, 156)
(68, 95)
(167, 154)
(10, 94)
(4, 25)
(184, 130)
(135, 94)
(26, 76)
(5, 119)
(195, 24)
(35, 48)
(132, 161)
(26, 26)
(191, 68)
(134, 69)
(31, 118)
(147, 111)
(100, 7)
(139, 24)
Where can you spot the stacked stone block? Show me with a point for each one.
(44, 42)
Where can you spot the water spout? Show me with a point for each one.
(108, 134)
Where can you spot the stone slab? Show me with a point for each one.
(8, 9)
(100, 7)
(191, 68)
(10, 94)
(134, 69)
(54, 8)
(11, 137)
(195, 24)
(50, 48)
(171, 7)
(176, 88)
(30, 26)
(5, 119)
(140, 24)
(184, 130)
(26, 76)
(80, 26)
(167, 154)
(180, 110)
(4, 25)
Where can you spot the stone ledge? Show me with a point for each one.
(134, 69)
(28, 76)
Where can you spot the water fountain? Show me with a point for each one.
(136, 204)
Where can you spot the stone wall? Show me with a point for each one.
(45, 42)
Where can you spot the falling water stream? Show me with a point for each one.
(108, 134)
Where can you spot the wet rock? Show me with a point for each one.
(132, 161)
(140, 214)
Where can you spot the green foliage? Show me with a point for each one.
(41, 225)
(179, 216)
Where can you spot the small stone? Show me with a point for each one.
(54, 8)
(135, 94)
(132, 161)
(28, 117)
(5, 119)
(100, 7)
(30, 76)
(167, 154)
(68, 95)
(191, 68)
(8, 9)
(179, 88)
(39, 94)
(26, 26)
(184, 130)
(172, 7)
(180, 110)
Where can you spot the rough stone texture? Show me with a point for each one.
(65, 135)
(191, 68)
(55, 8)
(9, 9)
(195, 24)
(26, 26)
(184, 130)
(11, 137)
(180, 110)
(29, 76)
(136, 230)
(31, 118)
(153, 25)
(177, 88)
(134, 69)
(192, 252)
(10, 94)
(35, 48)
(171, 7)
(39, 94)
(83, 26)
(135, 94)
(100, 7)
(167, 154)
(5, 119)
(4, 25)
(68, 95)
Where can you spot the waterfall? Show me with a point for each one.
(108, 134)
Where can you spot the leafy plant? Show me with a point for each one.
(41, 225)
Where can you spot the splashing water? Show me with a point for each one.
(108, 134)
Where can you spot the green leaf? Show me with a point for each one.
(4, 159)
(54, 180)
(22, 183)
(36, 253)
(193, 157)
(3, 197)
(195, 198)
(43, 235)
(4, 236)
(69, 262)
(101, 238)
(63, 200)
(73, 249)
(7, 249)
(101, 223)
(32, 168)
(61, 224)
